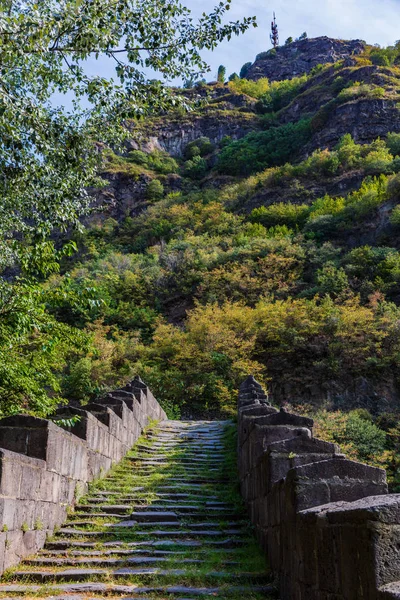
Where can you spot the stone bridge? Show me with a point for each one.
(117, 501)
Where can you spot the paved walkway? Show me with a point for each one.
(166, 523)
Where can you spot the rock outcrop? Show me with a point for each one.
(301, 57)
(173, 133)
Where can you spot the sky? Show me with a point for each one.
(375, 21)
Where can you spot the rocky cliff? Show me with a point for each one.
(301, 57)
(229, 114)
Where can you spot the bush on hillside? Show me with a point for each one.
(380, 59)
(288, 214)
(395, 216)
(263, 56)
(158, 161)
(196, 168)
(259, 150)
(200, 147)
(393, 143)
(154, 190)
(244, 70)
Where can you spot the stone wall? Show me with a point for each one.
(43, 467)
(329, 527)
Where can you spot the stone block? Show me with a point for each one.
(7, 512)
(25, 435)
(331, 481)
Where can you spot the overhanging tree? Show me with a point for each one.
(49, 156)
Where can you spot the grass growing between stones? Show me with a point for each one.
(167, 521)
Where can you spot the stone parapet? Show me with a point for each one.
(329, 527)
(44, 465)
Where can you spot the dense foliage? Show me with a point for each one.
(273, 292)
(258, 150)
(49, 155)
(233, 260)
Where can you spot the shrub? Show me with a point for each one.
(262, 56)
(331, 280)
(393, 143)
(78, 384)
(379, 159)
(317, 69)
(320, 162)
(348, 151)
(225, 141)
(200, 147)
(395, 216)
(380, 59)
(191, 151)
(281, 93)
(355, 431)
(255, 89)
(271, 95)
(359, 90)
(365, 435)
(244, 70)
(289, 41)
(393, 186)
(259, 150)
(291, 215)
(162, 163)
(138, 157)
(158, 161)
(154, 190)
(326, 206)
(195, 168)
(221, 74)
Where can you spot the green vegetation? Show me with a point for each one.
(254, 254)
(244, 70)
(221, 74)
(258, 150)
(384, 57)
(272, 95)
(157, 161)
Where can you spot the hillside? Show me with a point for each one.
(258, 232)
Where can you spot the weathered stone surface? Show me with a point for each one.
(42, 465)
(327, 524)
(300, 57)
(156, 542)
(174, 134)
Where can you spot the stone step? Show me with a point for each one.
(217, 510)
(186, 523)
(172, 534)
(161, 518)
(136, 590)
(154, 516)
(48, 576)
(153, 544)
(119, 509)
(110, 562)
(201, 549)
(173, 465)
